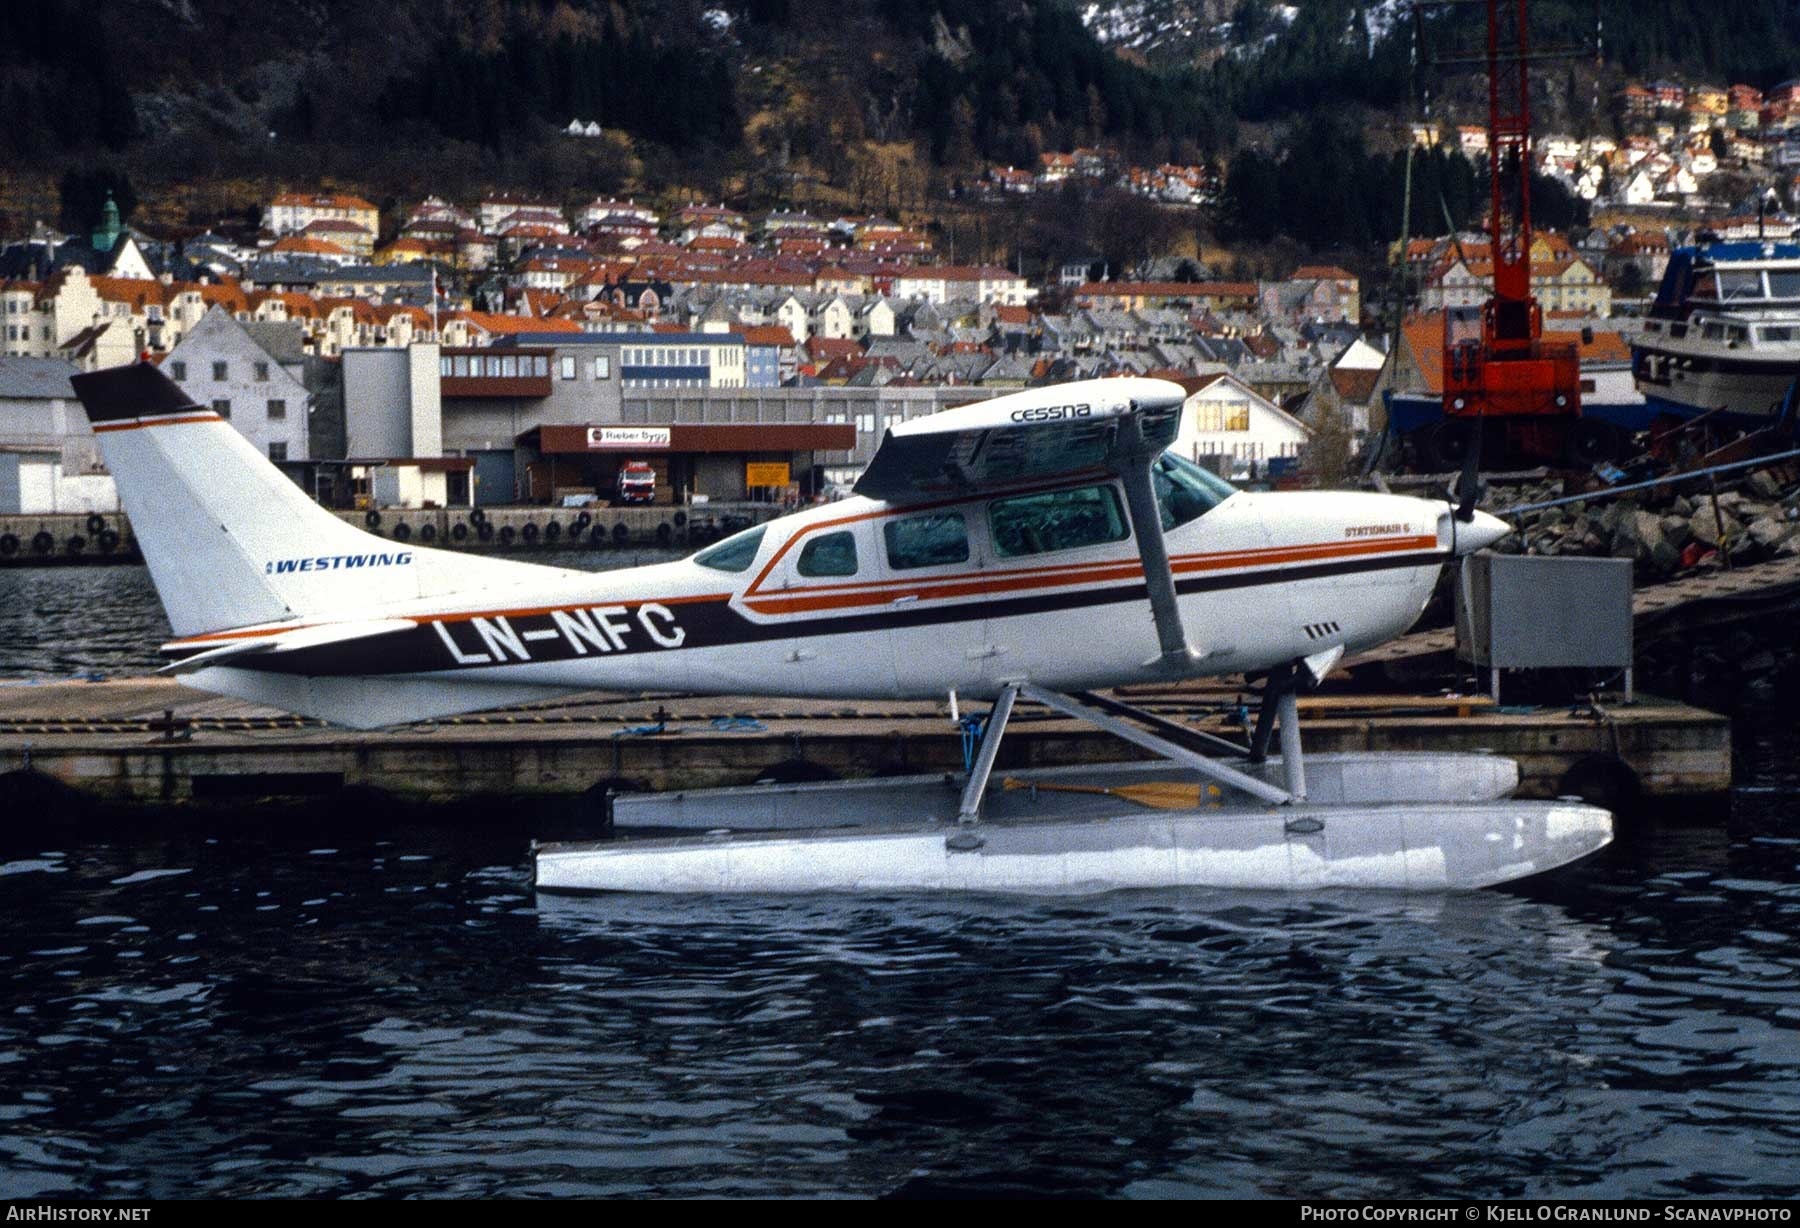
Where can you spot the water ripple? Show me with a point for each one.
(329, 1014)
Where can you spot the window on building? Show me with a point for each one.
(178, 371)
(1223, 416)
(278, 451)
(221, 371)
(603, 368)
(565, 367)
(829, 554)
(277, 411)
(222, 408)
(262, 372)
(540, 365)
(936, 540)
(1056, 520)
(509, 367)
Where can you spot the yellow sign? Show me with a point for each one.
(765, 473)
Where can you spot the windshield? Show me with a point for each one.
(1185, 491)
(735, 553)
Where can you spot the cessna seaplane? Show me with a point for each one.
(1031, 547)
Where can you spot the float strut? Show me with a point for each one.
(969, 810)
(1291, 760)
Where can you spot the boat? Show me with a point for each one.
(1722, 336)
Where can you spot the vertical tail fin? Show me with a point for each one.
(229, 539)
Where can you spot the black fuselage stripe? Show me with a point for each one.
(715, 624)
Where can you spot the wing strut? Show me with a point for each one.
(1177, 656)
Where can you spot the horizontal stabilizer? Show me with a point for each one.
(291, 641)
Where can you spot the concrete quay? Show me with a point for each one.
(132, 744)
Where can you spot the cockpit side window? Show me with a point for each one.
(935, 540)
(1056, 520)
(829, 554)
(1185, 491)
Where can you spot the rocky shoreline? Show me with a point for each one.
(1668, 531)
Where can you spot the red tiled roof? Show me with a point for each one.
(309, 247)
(768, 334)
(324, 200)
(1355, 385)
(501, 325)
(823, 349)
(1168, 289)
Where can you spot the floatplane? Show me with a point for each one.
(1033, 547)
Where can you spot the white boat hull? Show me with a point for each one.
(1419, 847)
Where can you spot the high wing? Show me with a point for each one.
(1103, 428)
(1098, 428)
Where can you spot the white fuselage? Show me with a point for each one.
(1262, 579)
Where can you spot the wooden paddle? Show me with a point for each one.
(1155, 794)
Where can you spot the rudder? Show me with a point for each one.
(230, 540)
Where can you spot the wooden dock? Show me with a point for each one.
(148, 742)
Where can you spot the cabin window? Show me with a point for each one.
(1784, 283)
(926, 541)
(1713, 332)
(1056, 520)
(1739, 284)
(735, 553)
(829, 554)
(1782, 332)
(1185, 491)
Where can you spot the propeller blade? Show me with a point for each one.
(1468, 483)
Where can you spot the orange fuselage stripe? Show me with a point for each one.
(829, 597)
(103, 427)
(837, 597)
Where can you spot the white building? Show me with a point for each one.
(48, 459)
(254, 381)
(1226, 417)
(292, 212)
(985, 283)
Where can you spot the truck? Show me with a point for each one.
(637, 483)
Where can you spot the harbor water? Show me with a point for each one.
(228, 1010)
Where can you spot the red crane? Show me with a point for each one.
(1502, 380)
